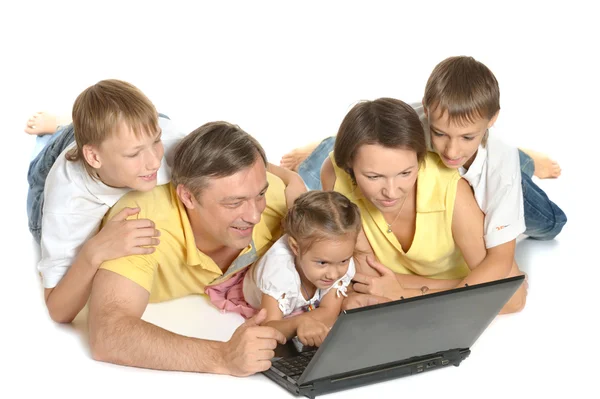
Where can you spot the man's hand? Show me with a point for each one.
(312, 332)
(251, 347)
(121, 237)
(384, 285)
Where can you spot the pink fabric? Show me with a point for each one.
(229, 296)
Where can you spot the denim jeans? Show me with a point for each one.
(49, 147)
(543, 218)
(310, 169)
(38, 171)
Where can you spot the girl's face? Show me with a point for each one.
(326, 261)
(385, 175)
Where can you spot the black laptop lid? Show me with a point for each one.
(420, 326)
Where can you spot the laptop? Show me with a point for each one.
(391, 340)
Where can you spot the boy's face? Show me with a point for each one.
(129, 161)
(228, 208)
(457, 143)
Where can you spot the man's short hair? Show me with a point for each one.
(214, 150)
(100, 108)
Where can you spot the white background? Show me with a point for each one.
(287, 73)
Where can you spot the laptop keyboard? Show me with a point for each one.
(293, 367)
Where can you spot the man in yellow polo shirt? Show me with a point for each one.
(221, 211)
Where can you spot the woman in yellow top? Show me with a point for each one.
(419, 219)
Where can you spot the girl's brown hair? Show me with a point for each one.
(320, 215)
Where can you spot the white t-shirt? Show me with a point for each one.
(495, 176)
(74, 205)
(275, 274)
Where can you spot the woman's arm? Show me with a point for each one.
(294, 185)
(327, 175)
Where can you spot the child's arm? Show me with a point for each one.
(310, 327)
(486, 265)
(118, 238)
(294, 185)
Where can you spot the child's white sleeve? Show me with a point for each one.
(277, 277)
(342, 284)
(505, 218)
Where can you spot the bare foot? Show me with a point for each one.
(545, 167)
(294, 158)
(44, 123)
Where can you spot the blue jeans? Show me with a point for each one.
(543, 218)
(38, 171)
(47, 150)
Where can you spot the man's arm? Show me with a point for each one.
(118, 335)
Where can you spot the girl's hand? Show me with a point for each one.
(311, 332)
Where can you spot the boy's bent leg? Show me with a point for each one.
(544, 220)
(310, 169)
(37, 173)
(544, 166)
(527, 164)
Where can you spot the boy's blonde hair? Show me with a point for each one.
(321, 215)
(100, 108)
(463, 87)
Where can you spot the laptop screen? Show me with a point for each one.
(420, 326)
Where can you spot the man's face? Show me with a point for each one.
(227, 210)
(456, 143)
(129, 161)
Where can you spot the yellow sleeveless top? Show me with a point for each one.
(433, 252)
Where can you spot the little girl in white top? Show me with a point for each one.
(302, 279)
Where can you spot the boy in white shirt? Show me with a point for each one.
(119, 145)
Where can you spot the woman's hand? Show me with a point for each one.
(384, 284)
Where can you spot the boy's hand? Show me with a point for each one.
(121, 237)
(312, 332)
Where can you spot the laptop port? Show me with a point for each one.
(445, 362)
